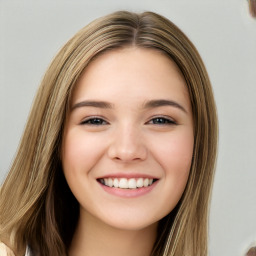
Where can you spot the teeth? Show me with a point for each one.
(140, 183)
(132, 183)
(110, 182)
(116, 183)
(127, 183)
(123, 183)
(145, 182)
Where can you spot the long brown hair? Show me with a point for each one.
(37, 207)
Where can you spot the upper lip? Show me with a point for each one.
(128, 176)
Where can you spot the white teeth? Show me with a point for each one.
(110, 182)
(127, 183)
(123, 183)
(116, 183)
(145, 182)
(132, 183)
(140, 183)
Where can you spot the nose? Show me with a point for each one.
(127, 145)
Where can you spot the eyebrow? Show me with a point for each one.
(92, 103)
(146, 105)
(162, 103)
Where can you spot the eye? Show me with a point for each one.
(94, 121)
(162, 121)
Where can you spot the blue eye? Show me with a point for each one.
(94, 121)
(162, 121)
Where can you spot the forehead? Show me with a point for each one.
(130, 71)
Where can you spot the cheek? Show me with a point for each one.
(176, 151)
(175, 157)
(180, 154)
(80, 152)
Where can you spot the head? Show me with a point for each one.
(184, 229)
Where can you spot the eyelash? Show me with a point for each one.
(163, 121)
(97, 121)
(158, 120)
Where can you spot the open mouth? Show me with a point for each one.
(123, 183)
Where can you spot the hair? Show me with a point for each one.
(251, 251)
(37, 207)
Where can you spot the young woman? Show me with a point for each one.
(118, 154)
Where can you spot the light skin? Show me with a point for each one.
(130, 119)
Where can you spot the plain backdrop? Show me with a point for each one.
(31, 32)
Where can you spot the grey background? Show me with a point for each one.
(31, 32)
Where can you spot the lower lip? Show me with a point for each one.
(129, 193)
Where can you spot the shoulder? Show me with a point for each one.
(5, 250)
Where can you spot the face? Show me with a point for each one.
(128, 138)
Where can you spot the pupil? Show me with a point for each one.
(96, 121)
(159, 120)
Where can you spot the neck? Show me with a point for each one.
(93, 237)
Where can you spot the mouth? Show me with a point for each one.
(124, 183)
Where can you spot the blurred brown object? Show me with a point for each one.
(251, 252)
(252, 8)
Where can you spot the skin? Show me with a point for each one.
(128, 137)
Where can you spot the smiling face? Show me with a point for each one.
(128, 139)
